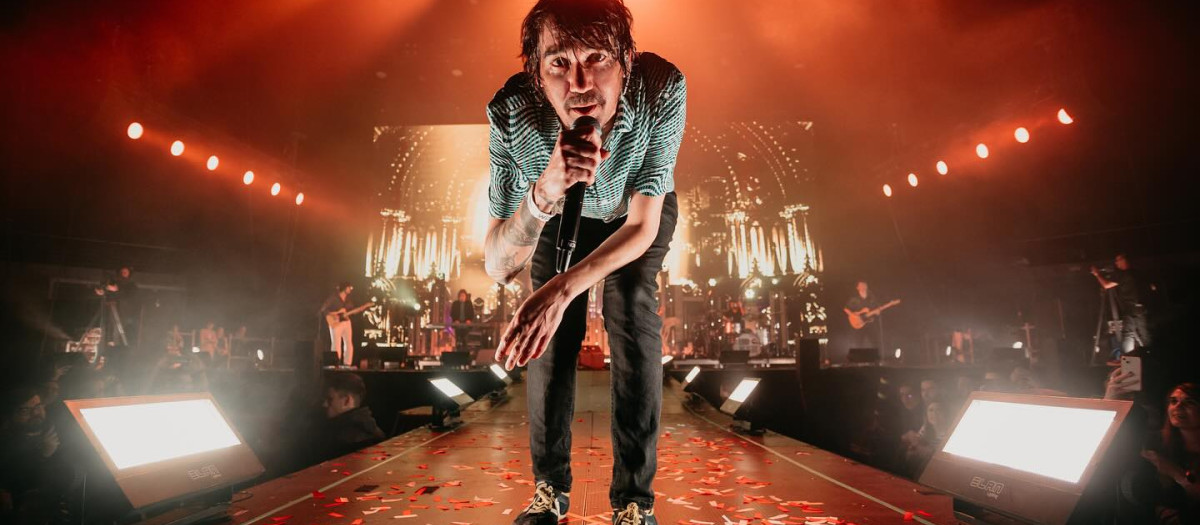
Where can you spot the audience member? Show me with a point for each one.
(930, 390)
(348, 425)
(963, 386)
(1024, 380)
(927, 440)
(1176, 458)
(912, 409)
(177, 372)
(207, 339)
(30, 491)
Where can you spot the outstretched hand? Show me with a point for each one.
(529, 332)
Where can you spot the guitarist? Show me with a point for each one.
(861, 303)
(335, 311)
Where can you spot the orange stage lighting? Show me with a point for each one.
(912, 179)
(177, 148)
(1022, 135)
(135, 131)
(275, 189)
(213, 162)
(248, 178)
(887, 190)
(1064, 117)
(981, 150)
(942, 168)
(299, 198)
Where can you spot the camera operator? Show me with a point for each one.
(1120, 281)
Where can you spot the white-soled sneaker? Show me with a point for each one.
(548, 506)
(634, 515)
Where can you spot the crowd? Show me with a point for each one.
(1156, 463)
(43, 455)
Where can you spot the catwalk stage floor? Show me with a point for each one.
(479, 474)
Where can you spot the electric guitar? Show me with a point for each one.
(343, 314)
(859, 319)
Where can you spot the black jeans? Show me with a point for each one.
(635, 342)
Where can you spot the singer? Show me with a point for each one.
(579, 62)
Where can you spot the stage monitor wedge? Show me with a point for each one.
(1025, 456)
(159, 448)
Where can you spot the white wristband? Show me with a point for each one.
(534, 210)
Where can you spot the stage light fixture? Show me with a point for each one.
(887, 190)
(981, 150)
(712, 282)
(275, 189)
(1064, 117)
(299, 198)
(1025, 456)
(135, 131)
(691, 398)
(177, 148)
(912, 180)
(452, 391)
(898, 353)
(248, 178)
(737, 406)
(212, 163)
(500, 373)
(750, 294)
(942, 168)
(195, 349)
(1022, 135)
(446, 410)
(949, 351)
(743, 390)
(159, 448)
(1018, 345)
(260, 355)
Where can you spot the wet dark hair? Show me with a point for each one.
(598, 24)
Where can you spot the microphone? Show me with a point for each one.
(568, 226)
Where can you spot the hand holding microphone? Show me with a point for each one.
(577, 154)
(572, 167)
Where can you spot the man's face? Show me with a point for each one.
(30, 415)
(1121, 263)
(337, 403)
(862, 289)
(348, 290)
(929, 391)
(909, 398)
(579, 81)
(125, 273)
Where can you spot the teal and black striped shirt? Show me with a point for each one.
(644, 141)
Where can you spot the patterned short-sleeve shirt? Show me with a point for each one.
(644, 140)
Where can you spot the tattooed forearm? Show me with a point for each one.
(510, 245)
(522, 230)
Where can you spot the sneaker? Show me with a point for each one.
(548, 506)
(633, 515)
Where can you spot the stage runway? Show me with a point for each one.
(479, 474)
